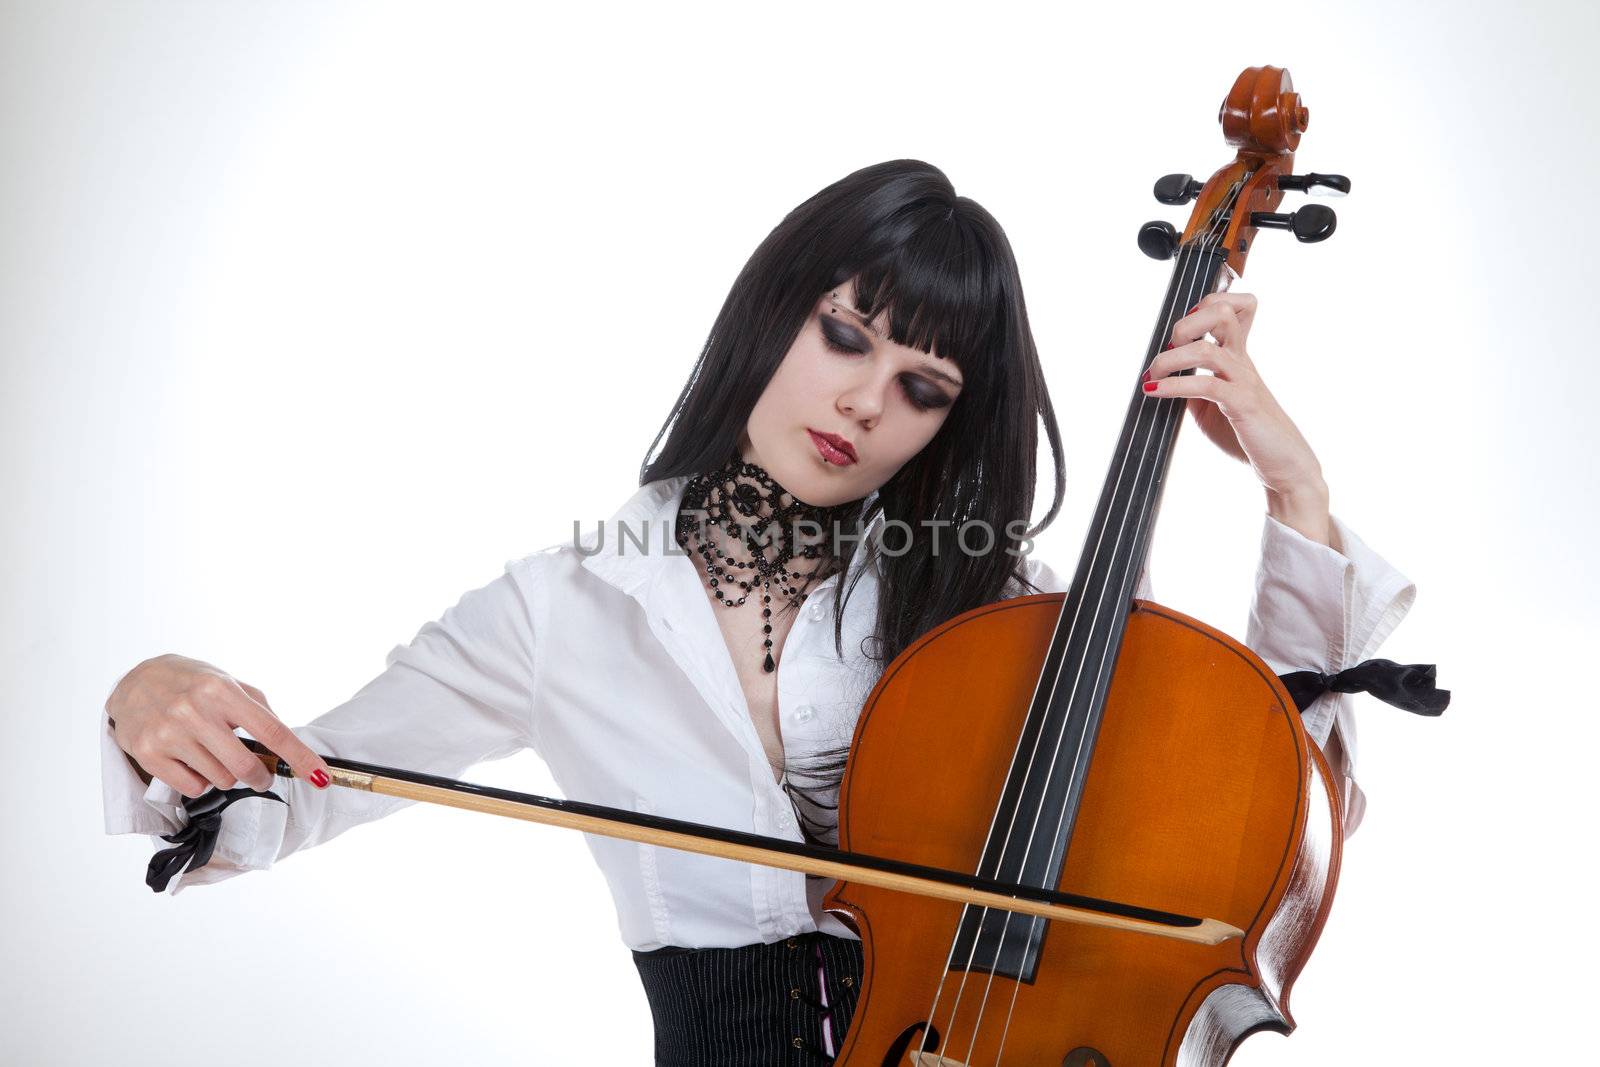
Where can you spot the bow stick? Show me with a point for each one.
(756, 848)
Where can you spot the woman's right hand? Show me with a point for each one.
(175, 717)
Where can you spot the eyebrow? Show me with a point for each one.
(928, 369)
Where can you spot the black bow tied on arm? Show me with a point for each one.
(1405, 685)
(198, 837)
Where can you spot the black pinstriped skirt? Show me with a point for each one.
(761, 1005)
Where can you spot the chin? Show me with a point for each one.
(811, 479)
(816, 486)
(817, 482)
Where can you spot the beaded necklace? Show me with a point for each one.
(746, 489)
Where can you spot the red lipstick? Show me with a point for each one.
(834, 449)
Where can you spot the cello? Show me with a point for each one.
(1100, 745)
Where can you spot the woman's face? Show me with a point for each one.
(843, 378)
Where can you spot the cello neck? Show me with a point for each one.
(1119, 535)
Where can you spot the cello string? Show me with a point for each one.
(1169, 410)
(1186, 258)
(978, 927)
(1184, 264)
(1190, 258)
(1140, 438)
(1161, 422)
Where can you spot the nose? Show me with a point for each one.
(863, 402)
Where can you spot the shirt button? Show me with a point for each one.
(816, 611)
(804, 713)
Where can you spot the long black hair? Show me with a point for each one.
(943, 268)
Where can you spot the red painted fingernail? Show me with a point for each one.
(1149, 387)
(1146, 377)
(319, 778)
(1172, 344)
(1192, 310)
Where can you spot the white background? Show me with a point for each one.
(313, 315)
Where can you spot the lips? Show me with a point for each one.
(833, 447)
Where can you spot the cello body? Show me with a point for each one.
(1205, 796)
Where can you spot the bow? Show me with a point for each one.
(689, 836)
(1405, 685)
(198, 837)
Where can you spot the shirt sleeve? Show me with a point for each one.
(1323, 608)
(461, 693)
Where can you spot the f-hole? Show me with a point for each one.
(896, 1056)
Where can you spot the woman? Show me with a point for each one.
(872, 364)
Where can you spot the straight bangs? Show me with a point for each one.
(938, 284)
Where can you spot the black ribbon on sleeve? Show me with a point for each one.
(193, 844)
(1405, 685)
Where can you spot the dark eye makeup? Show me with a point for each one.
(848, 341)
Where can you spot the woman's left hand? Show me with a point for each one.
(1239, 414)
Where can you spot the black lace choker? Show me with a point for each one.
(771, 514)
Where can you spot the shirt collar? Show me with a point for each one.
(630, 547)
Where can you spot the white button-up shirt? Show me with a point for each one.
(606, 659)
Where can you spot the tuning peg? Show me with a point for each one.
(1158, 240)
(1177, 188)
(1315, 184)
(1310, 224)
